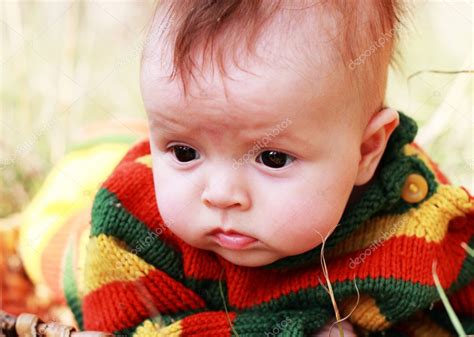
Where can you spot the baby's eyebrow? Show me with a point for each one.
(286, 138)
(271, 133)
(170, 124)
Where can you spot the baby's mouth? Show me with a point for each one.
(232, 239)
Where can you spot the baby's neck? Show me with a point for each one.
(358, 191)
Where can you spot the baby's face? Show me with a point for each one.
(254, 167)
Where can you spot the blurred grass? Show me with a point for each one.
(66, 64)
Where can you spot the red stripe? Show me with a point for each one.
(411, 258)
(463, 300)
(140, 149)
(121, 305)
(212, 324)
(404, 258)
(471, 197)
(200, 264)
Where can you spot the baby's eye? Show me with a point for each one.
(274, 159)
(184, 153)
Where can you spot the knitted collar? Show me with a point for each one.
(381, 196)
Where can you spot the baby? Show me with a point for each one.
(217, 188)
(269, 138)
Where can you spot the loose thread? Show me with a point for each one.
(221, 291)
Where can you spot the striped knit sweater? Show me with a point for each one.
(142, 280)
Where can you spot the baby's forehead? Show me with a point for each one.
(248, 99)
(270, 85)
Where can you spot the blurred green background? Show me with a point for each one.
(66, 65)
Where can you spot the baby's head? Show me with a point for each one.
(270, 122)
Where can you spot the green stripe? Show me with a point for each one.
(127, 332)
(466, 274)
(382, 288)
(70, 287)
(397, 299)
(209, 291)
(111, 218)
(282, 323)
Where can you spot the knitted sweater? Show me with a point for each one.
(142, 280)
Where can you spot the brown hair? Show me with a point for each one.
(196, 25)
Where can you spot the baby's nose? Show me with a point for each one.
(225, 192)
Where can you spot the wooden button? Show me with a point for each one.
(415, 188)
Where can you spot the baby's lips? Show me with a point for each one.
(232, 239)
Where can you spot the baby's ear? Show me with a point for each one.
(374, 141)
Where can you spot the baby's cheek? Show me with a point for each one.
(172, 206)
(300, 225)
(167, 208)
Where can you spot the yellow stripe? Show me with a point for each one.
(410, 150)
(366, 315)
(429, 221)
(154, 329)
(109, 260)
(145, 160)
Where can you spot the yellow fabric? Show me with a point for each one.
(411, 150)
(68, 188)
(81, 261)
(366, 314)
(145, 160)
(153, 329)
